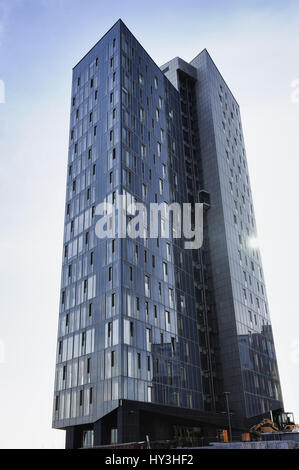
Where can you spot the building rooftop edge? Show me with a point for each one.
(113, 26)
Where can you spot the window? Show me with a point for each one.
(90, 396)
(148, 335)
(165, 271)
(110, 273)
(113, 300)
(160, 289)
(90, 310)
(64, 373)
(161, 186)
(112, 358)
(109, 329)
(180, 326)
(169, 370)
(137, 304)
(171, 299)
(139, 360)
(250, 316)
(144, 191)
(159, 146)
(114, 435)
(147, 286)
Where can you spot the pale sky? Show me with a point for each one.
(255, 44)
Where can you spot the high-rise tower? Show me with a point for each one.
(151, 334)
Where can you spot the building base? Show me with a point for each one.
(136, 421)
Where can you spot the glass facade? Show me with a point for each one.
(145, 319)
(127, 323)
(237, 333)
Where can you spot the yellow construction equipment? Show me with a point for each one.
(282, 422)
(286, 422)
(266, 425)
